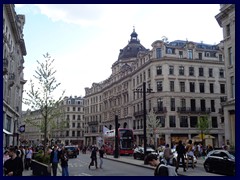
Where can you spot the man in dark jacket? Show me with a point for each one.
(14, 165)
(181, 153)
(54, 159)
(93, 157)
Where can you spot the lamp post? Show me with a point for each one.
(143, 91)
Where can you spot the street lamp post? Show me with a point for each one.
(143, 91)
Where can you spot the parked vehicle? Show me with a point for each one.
(173, 160)
(72, 151)
(138, 152)
(220, 161)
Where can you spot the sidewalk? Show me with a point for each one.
(140, 163)
(29, 172)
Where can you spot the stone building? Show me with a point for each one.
(188, 81)
(226, 20)
(14, 51)
(67, 128)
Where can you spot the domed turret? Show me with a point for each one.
(133, 47)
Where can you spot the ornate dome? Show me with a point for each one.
(133, 47)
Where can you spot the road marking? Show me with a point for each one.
(86, 174)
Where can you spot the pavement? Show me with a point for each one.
(140, 163)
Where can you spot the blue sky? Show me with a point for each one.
(85, 39)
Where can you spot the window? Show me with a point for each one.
(79, 109)
(212, 106)
(214, 122)
(201, 87)
(67, 133)
(172, 104)
(220, 57)
(158, 53)
(180, 54)
(192, 86)
(169, 51)
(182, 86)
(183, 121)
(193, 105)
(78, 117)
(159, 70)
(207, 54)
(73, 117)
(171, 70)
(190, 54)
(73, 125)
(67, 117)
(200, 56)
(228, 30)
(172, 86)
(201, 72)
(172, 121)
(221, 73)
(203, 105)
(181, 70)
(232, 87)
(191, 71)
(73, 133)
(222, 88)
(160, 103)
(159, 86)
(183, 103)
(210, 72)
(230, 59)
(161, 120)
(149, 73)
(68, 109)
(74, 108)
(211, 85)
(193, 121)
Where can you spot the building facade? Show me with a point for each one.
(14, 51)
(226, 20)
(67, 128)
(187, 80)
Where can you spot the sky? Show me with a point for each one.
(85, 39)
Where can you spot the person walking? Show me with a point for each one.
(54, 159)
(167, 154)
(101, 153)
(93, 157)
(64, 162)
(190, 154)
(181, 153)
(14, 165)
(161, 169)
(29, 153)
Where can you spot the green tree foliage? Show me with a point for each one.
(41, 98)
(203, 126)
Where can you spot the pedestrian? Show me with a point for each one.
(93, 157)
(180, 155)
(167, 154)
(14, 165)
(101, 153)
(5, 156)
(64, 162)
(161, 169)
(190, 154)
(29, 154)
(54, 159)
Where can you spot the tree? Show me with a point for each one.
(203, 126)
(153, 125)
(41, 95)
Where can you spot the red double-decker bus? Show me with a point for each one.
(125, 141)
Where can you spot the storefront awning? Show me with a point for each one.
(7, 132)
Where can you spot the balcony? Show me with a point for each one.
(93, 123)
(159, 110)
(5, 66)
(138, 113)
(188, 110)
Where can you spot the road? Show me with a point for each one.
(79, 167)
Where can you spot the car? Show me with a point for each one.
(220, 161)
(173, 160)
(72, 151)
(138, 152)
